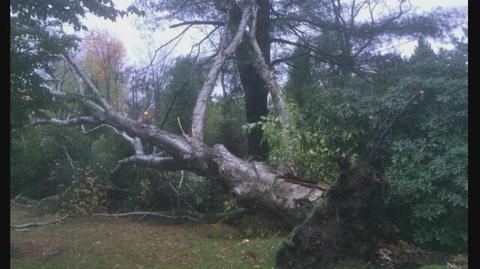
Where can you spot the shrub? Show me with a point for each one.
(88, 191)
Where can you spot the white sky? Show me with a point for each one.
(139, 43)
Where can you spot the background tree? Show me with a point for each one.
(105, 57)
(301, 77)
(177, 99)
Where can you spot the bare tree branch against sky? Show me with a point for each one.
(137, 40)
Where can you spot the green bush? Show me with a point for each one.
(88, 191)
(310, 148)
(39, 165)
(429, 151)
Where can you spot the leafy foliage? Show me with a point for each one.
(88, 190)
(429, 152)
(106, 150)
(303, 151)
(425, 153)
(39, 165)
(44, 160)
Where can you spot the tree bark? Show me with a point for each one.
(255, 88)
(199, 112)
(247, 181)
(268, 76)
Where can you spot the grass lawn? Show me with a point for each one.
(94, 242)
(124, 243)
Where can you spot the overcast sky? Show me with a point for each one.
(138, 43)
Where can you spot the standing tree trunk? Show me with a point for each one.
(254, 86)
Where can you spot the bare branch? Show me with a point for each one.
(268, 76)
(135, 141)
(98, 127)
(326, 57)
(190, 23)
(137, 144)
(180, 126)
(284, 60)
(166, 44)
(37, 204)
(179, 90)
(93, 89)
(162, 163)
(89, 104)
(199, 44)
(146, 213)
(27, 225)
(176, 145)
(70, 160)
(315, 23)
(69, 122)
(198, 117)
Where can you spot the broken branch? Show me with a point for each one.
(146, 213)
(27, 225)
(190, 23)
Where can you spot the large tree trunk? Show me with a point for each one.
(247, 181)
(254, 86)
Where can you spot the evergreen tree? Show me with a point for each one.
(177, 99)
(300, 84)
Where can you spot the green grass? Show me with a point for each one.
(123, 243)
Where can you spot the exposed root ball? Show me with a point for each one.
(349, 224)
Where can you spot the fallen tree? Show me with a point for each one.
(349, 224)
(246, 180)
